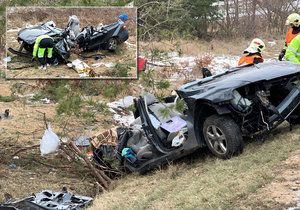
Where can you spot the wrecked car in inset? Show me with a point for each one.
(106, 37)
(219, 112)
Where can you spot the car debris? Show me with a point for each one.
(5, 115)
(50, 200)
(80, 67)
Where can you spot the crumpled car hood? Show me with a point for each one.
(29, 35)
(219, 88)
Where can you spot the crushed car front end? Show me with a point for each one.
(258, 97)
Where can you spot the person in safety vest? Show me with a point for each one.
(293, 20)
(43, 49)
(253, 53)
(293, 51)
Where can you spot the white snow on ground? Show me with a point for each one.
(222, 63)
(187, 63)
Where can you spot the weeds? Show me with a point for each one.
(7, 98)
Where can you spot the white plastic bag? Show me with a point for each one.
(50, 142)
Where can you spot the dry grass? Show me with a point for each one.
(204, 182)
(216, 47)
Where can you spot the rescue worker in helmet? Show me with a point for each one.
(293, 20)
(253, 53)
(293, 50)
(43, 49)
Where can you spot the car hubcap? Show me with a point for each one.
(112, 44)
(216, 138)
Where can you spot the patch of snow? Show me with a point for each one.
(7, 59)
(123, 119)
(125, 102)
(117, 107)
(222, 63)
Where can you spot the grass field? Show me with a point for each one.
(204, 182)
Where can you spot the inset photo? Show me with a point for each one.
(71, 43)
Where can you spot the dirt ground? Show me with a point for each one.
(21, 67)
(28, 172)
(283, 192)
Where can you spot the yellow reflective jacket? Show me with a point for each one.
(37, 43)
(293, 51)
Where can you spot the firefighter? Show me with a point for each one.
(43, 49)
(293, 20)
(293, 50)
(253, 53)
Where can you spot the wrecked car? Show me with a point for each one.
(219, 112)
(103, 37)
(89, 38)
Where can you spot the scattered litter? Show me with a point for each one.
(16, 157)
(79, 66)
(109, 65)
(50, 142)
(82, 141)
(4, 115)
(7, 59)
(96, 65)
(45, 100)
(12, 166)
(123, 119)
(125, 102)
(50, 200)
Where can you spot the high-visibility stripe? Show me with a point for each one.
(37, 43)
(293, 50)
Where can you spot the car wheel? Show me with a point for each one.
(223, 136)
(112, 44)
(27, 47)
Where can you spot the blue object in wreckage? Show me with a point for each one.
(129, 154)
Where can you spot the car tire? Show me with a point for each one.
(27, 47)
(223, 136)
(112, 44)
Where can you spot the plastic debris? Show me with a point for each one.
(7, 59)
(50, 142)
(50, 200)
(178, 140)
(82, 141)
(45, 100)
(129, 154)
(79, 66)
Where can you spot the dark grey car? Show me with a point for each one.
(220, 111)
